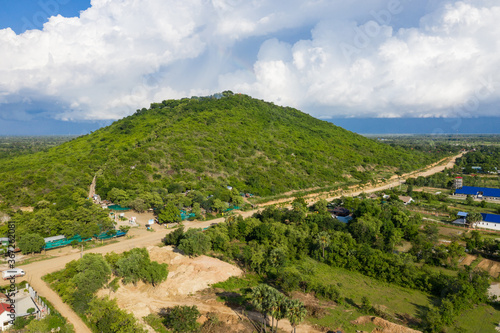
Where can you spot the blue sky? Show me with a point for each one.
(71, 66)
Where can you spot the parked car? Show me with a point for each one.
(14, 272)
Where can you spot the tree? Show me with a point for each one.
(181, 318)
(469, 200)
(473, 218)
(195, 243)
(321, 206)
(30, 243)
(105, 316)
(169, 214)
(295, 312)
(323, 240)
(174, 238)
(156, 273)
(262, 300)
(197, 210)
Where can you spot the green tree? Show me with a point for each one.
(169, 214)
(181, 319)
(197, 210)
(30, 243)
(295, 312)
(323, 240)
(195, 243)
(474, 217)
(105, 316)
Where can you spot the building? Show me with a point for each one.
(406, 199)
(458, 182)
(479, 192)
(5, 317)
(462, 218)
(490, 221)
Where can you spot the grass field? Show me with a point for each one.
(479, 319)
(353, 286)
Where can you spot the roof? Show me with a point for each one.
(463, 214)
(493, 218)
(54, 238)
(4, 307)
(486, 191)
(405, 198)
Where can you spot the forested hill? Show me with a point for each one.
(202, 143)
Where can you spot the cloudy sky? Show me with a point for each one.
(65, 62)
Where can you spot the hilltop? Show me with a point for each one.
(203, 143)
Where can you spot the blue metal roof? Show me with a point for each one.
(462, 214)
(472, 190)
(493, 218)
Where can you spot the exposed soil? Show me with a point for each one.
(492, 267)
(187, 284)
(384, 326)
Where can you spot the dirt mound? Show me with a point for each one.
(468, 260)
(189, 275)
(490, 266)
(384, 326)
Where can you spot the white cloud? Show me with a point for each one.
(122, 55)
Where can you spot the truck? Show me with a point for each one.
(14, 272)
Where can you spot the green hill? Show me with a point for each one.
(202, 143)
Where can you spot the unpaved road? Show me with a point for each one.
(36, 270)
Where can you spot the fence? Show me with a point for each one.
(43, 309)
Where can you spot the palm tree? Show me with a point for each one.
(295, 312)
(323, 240)
(278, 310)
(473, 218)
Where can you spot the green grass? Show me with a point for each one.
(234, 283)
(156, 323)
(353, 286)
(479, 319)
(340, 318)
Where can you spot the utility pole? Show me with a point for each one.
(81, 253)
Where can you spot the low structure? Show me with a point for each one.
(479, 192)
(5, 318)
(462, 218)
(406, 199)
(490, 221)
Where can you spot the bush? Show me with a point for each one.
(181, 318)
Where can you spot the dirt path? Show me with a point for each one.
(36, 270)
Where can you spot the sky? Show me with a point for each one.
(71, 66)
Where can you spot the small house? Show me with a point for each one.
(5, 316)
(462, 218)
(406, 199)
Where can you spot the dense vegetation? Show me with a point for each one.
(11, 146)
(203, 143)
(276, 242)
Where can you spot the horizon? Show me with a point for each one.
(72, 66)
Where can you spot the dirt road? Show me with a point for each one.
(36, 270)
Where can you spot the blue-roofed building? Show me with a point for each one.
(479, 192)
(490, 221)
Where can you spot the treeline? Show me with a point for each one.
(68, 215)
(275, 241)
(79, 281)
(487, 158)
(11, 146)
